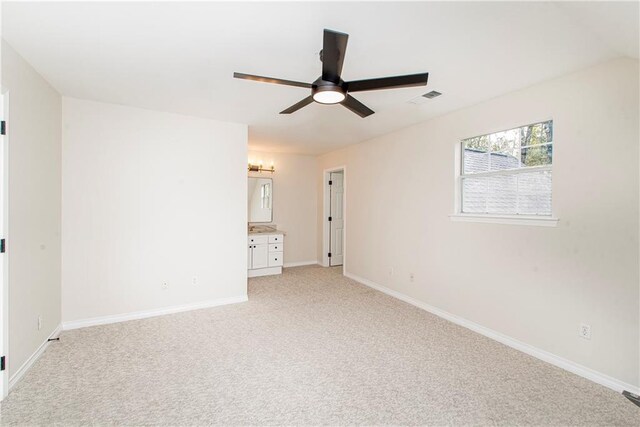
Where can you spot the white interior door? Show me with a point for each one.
(336, 225)
(4, 303)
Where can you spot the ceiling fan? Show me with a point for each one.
(329, 88)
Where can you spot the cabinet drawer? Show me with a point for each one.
(275, 259)
(276, 238)
(276, 247)
(258, 240)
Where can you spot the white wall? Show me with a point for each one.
(150, 197)
(33, 245)
(534, 284)
(294, 202)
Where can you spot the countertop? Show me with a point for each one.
(261, 230)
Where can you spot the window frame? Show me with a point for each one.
(265, 196)
(513, 219)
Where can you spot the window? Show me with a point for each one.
(265, 196)
(509, 172)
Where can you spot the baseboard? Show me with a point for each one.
(260, 272)
(543, 355)
(299, 263)
(32, 359)
(105, 320)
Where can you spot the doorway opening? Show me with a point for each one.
(334, 223)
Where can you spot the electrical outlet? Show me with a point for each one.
(411, 277)
(39, 322)
(584, 331)
(391, 271)
(165, 286)
(194, 280)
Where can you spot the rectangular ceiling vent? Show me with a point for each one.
(424, 98)
(432, 94)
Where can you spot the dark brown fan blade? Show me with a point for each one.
(295, 107)
(388, 82)
(271, 80)
(357, 107)
(334, 48)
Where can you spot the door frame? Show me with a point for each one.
(326, 211)
(4, 258)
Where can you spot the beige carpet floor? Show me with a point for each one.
(310, 347)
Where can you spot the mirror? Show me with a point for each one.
(260, 199)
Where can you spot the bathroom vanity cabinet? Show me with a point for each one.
(265, 254)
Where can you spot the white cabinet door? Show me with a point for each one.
(249, 260)
(260, 256)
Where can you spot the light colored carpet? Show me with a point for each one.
(310, 347)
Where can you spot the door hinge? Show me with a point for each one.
(2, 363)
(330, 219)
(1, 246)
(330, 182)
(3, 128)
(329, 254)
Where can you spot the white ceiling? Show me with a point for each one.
(180, 57)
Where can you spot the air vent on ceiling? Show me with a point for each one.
(424, 98)
(432, 94)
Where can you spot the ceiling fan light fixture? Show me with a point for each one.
(329, 96)
(329, 88)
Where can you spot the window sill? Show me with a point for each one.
(506, 219)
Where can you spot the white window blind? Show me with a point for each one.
(508, 172)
